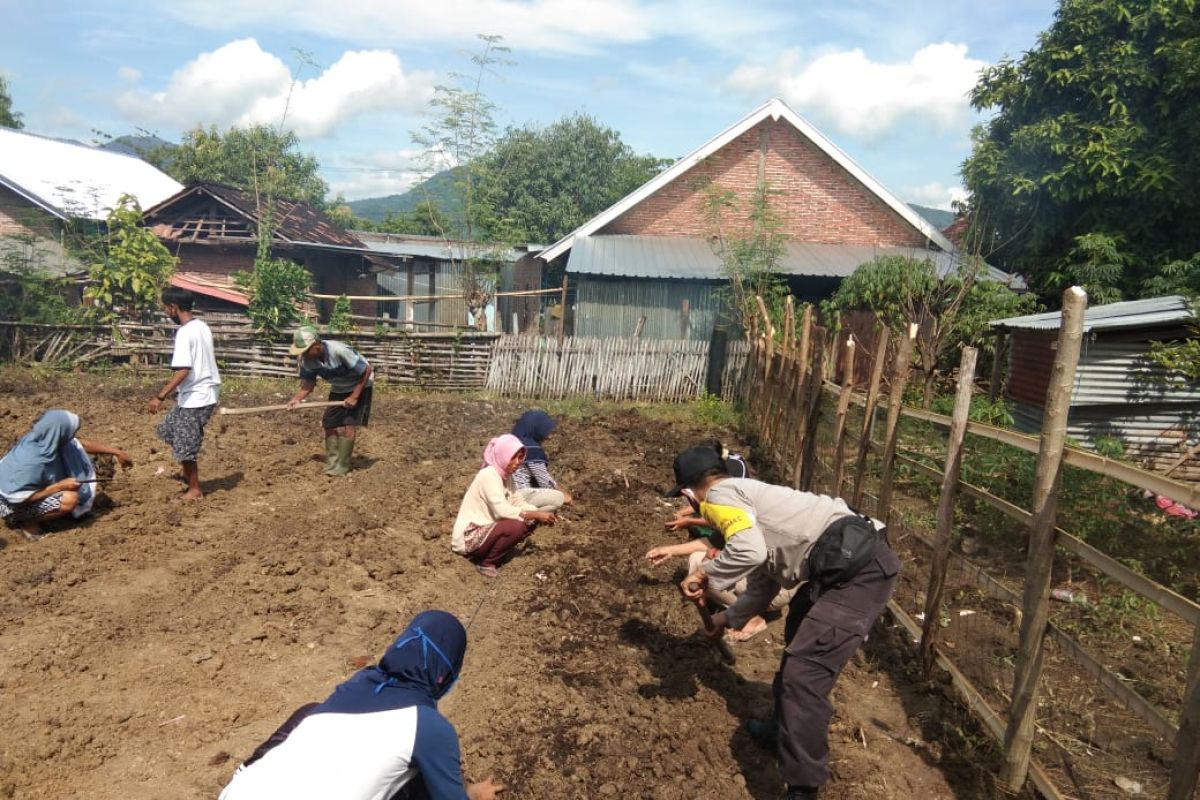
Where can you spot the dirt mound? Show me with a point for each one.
(144, 653)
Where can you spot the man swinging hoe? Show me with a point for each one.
(350, 380)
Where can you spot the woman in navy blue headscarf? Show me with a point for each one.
(379, 736)
(532, 480)
(48, 473)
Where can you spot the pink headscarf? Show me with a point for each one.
(499, 452)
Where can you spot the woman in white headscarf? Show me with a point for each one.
(48, 473)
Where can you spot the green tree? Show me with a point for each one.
(460, 132)
(133, 267)
(340, 320)
(949, 310)
(425, 219)
(8, 117)
(748, 238)
(243, 157)
(539, 184)
(1087, 171)
(277, 287)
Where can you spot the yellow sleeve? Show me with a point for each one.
(727, 519)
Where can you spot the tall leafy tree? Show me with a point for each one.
(1088, 170)
(460, 131)
(538, 184)
(259, 159)
(131, 269)
(8, 117)
(950, 310)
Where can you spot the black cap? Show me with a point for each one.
(692, 464)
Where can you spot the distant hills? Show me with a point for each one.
(439, 189)
(137, 145)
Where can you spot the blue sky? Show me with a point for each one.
(886, 80)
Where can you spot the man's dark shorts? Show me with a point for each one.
(183, 429)
(337, 416)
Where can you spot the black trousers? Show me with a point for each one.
(821, 637)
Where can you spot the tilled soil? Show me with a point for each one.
(146, 651)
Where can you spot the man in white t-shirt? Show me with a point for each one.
(198, 382)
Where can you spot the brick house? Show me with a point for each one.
(651, 255)
(50, 188)
(212, 230)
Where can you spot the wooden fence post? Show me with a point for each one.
(774, 422)
(997, 371)
(812, 417)
(864, 443)
(945, 509)
(562, 323)
(796, 433)
(843, 408)
(1018, 737)
(1186, 769)
(899, 381)
(684, 313)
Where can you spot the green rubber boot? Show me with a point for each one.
(342, 464)
(331, 454)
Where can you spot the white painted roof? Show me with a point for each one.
(774, 109)
(69, 179)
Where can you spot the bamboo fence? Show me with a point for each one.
(435, 361)
(614, 369)
(1031, 691)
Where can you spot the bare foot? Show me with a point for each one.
(753, 627)
(192, 494)
(32, 531)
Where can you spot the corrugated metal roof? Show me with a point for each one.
(1152, 312)
(432, 247)
(69, 179)
(694, 258)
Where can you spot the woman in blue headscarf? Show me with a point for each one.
(48, 473)
(379, 736)
(532, 480)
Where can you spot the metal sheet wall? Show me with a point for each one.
(1155, 435)
(446, 281)
(606, 307)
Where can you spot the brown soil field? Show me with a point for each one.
(146, 651)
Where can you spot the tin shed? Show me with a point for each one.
(1119, 392)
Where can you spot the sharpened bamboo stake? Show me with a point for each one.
(284, 407)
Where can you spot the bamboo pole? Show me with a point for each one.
(945, 509)
(283, 407)
(899, 380)
(1186, 769)
(1018, 737)
(839, 426)
(864, 443)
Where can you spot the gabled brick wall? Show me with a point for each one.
(19, 217)
(816, 199)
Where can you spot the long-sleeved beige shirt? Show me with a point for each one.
(768, 532)
(487, 500)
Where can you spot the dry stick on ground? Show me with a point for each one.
(945, 509)
(899, 379)
(864, 447)
(1018, 736)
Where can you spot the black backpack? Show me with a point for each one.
(845, 547)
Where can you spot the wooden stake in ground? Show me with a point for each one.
(864, 442)
(1186, 770)
(1018, 737)
(945, 509)
(895, 403)
(843, 408)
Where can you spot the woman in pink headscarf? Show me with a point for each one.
(491, 520)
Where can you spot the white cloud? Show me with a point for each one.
(561, 26)
(127, 73)
(242, 84)
(865, 99)
(936, 195)
(375, 174)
